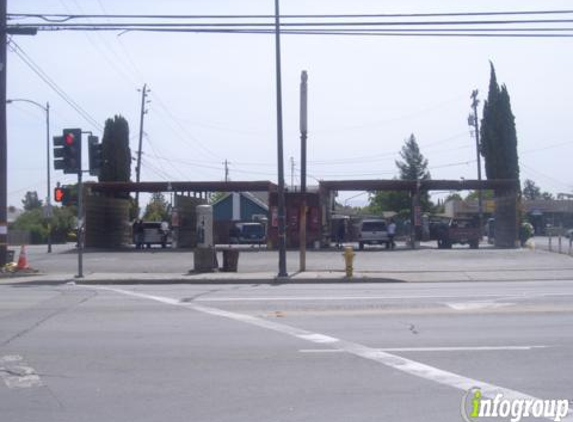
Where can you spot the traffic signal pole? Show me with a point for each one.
(81, 224)
(3, 139)
(49, 188)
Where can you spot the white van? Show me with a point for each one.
(373, 232)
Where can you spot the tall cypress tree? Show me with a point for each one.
(498, 134)
(116, 154)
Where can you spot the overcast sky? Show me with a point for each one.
(213, 95)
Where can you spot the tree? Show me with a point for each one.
(547, 196)
(31, 201)
(33, 221)
(485, 195)
(382, 201)
(157, 209)
(530, 190)
(116, 154)
(498, 133)
(412, 166)
(453, 197)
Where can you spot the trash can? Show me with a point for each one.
(10, 255)
(230, 260)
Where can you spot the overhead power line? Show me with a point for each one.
(541, 23)
(66, 17)
(50, 82)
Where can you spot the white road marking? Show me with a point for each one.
(318, 338)
(436, 349)
(17, 374)
(474, 306)
(469, 295)
(334, 298)
(399, 363)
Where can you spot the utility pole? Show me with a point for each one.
(3, 139)
(144, 92)
(49, 193)
(281, 182)
(303, 209)
(473, 121)
(292, 173)
(226, 170)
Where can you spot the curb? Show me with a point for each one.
(39, 280)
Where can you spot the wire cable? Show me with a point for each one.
(50, 82)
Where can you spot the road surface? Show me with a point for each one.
(249, 353)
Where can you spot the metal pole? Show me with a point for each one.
(281, 182)
(3, 140)
(138, 168)
(48, 214)
(49, 193)
(475, 103)
(80, 226)
(303, 128)
(303, 132)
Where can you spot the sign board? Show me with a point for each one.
(47, 211)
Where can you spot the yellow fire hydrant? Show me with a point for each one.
(349, 260)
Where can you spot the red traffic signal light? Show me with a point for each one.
(65, 195)
(59, 194)
(69, 139)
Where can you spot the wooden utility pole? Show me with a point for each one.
(475, 125)
(226, 163)
(144, 92)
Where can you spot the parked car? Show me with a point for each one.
(459, 230)
(155, 234)
(373, 232)
(245, 233)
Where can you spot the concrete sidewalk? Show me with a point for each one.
(308, 277)
(375, 266)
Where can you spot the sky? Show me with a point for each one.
(213, 95)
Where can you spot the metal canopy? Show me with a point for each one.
(152, 187)
(328, 185)
(413, 185)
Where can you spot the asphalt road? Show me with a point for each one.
(249, 353)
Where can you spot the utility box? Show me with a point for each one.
(205, 259)
(205, 226)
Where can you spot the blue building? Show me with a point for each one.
(240, 206)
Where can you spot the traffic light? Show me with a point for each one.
(65, 195)
(72, 150)
(95, 155)
(59, 194)
(59, 152)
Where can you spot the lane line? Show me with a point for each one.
(16, 373)
(437, 349)
(399, 363)
(474, 306)
(383, 297)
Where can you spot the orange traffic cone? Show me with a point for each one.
(22, 260)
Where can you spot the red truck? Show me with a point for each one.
(458, 230)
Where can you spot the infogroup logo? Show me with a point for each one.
(475, 406)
